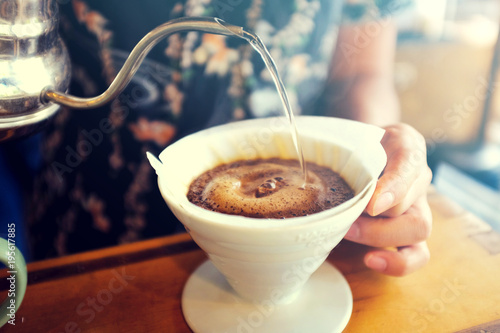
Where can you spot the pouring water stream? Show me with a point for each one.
(260, 47)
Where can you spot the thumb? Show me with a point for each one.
(397, 183)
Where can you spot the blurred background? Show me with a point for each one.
(446, 75)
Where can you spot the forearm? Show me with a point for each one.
(360, 82)
(370, 99)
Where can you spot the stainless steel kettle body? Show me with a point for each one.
(32, 57)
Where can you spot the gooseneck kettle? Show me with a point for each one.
(35, 67)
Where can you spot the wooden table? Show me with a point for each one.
(137, 287)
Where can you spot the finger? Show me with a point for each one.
(420, 186)
(398, 263)
(412, 227)
(407, 161)
(402, 182)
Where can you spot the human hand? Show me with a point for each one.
(398, 215)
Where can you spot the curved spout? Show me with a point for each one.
(131, 65)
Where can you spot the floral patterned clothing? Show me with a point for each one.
(96, 188)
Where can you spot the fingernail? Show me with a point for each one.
(353, 232)
(383, 202)
(376, 263)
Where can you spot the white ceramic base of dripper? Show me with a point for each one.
(209, 304)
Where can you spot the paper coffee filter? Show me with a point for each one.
(352, 148)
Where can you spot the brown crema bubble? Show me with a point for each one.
(268, 188)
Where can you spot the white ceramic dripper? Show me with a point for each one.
(271, 259)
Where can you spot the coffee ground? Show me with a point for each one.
(268, 188)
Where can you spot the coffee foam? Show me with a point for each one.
(268, 188)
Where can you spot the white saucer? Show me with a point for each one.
(209, 304)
